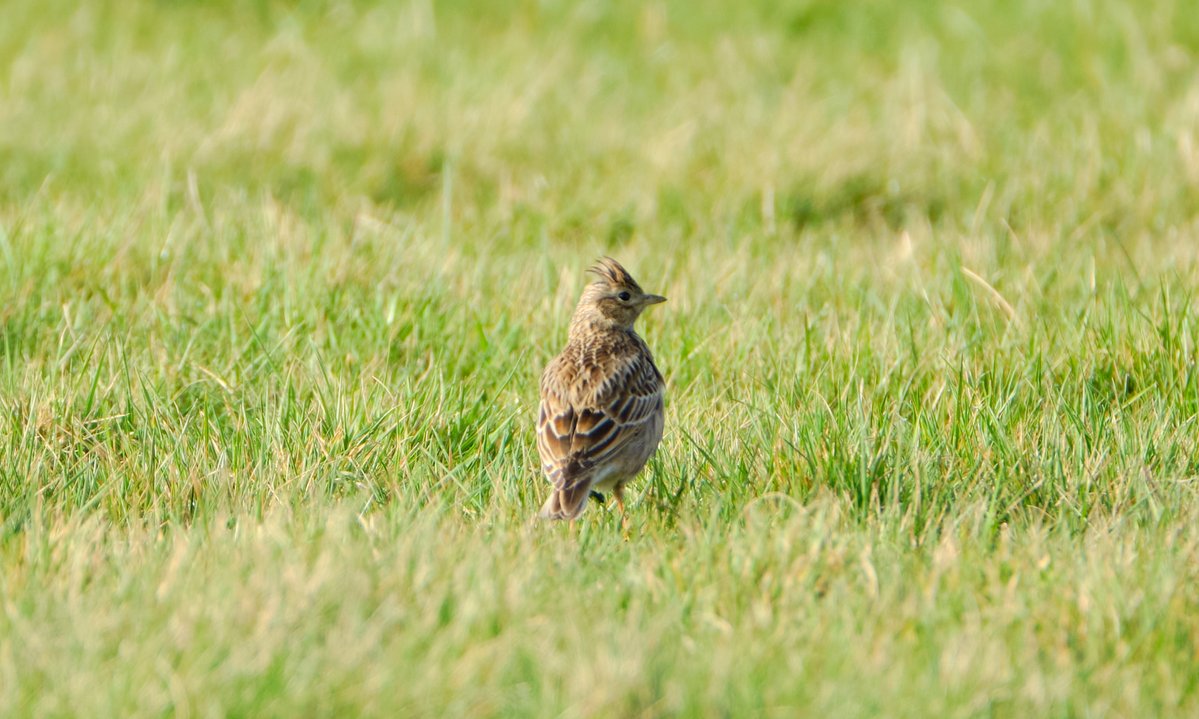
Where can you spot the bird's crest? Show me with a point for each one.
(611, 271)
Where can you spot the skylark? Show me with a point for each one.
(601, 398)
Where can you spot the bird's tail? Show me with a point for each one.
(569, 498)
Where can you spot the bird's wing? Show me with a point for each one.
(576, 433)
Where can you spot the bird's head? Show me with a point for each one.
(614, 300)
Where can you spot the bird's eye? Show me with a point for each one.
(624, 296)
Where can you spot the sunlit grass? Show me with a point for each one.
(277, 281)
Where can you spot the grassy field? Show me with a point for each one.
(277, 280)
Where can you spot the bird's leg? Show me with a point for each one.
(618, 493)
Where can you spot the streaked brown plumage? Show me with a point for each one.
(601, 398)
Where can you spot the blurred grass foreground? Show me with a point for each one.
(277, 280)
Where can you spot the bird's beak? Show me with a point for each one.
(652, 299)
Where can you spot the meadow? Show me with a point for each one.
(278, 278)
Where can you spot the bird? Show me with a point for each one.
(601, 413)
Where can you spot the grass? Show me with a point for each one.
(277, 280)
